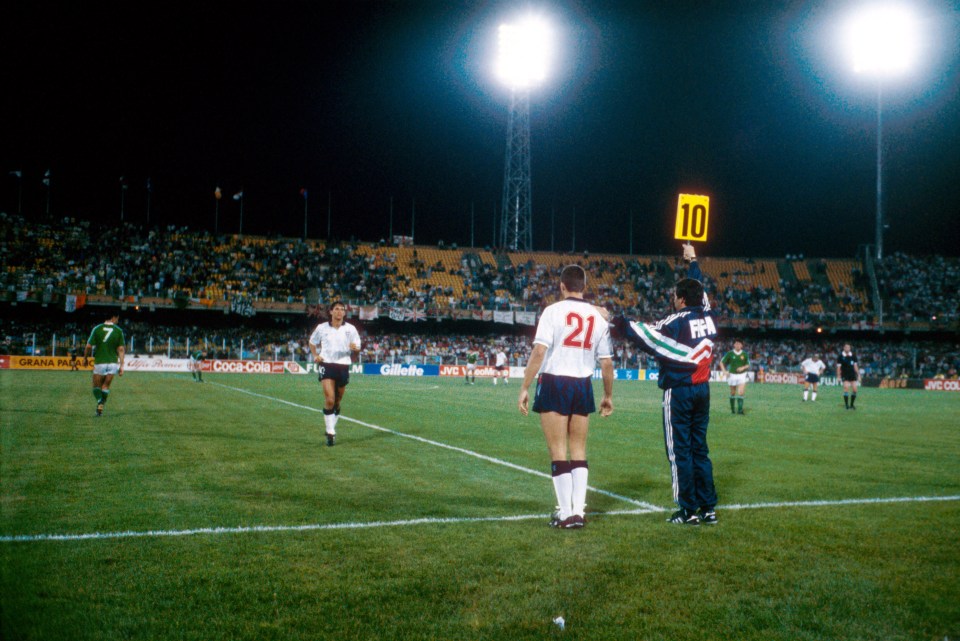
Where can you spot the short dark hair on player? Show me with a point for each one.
(334, 304)
(574, 278)
(690, 291)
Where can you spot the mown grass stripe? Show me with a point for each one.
(454, 448)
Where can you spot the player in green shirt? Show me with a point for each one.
(735, 364)
(471, 375)
(196, 365)
(107, 345)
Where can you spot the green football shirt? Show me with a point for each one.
(106, 339)
(733, 361)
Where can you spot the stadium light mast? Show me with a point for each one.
(882, 42)
(522, 62)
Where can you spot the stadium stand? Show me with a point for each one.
(164, 266)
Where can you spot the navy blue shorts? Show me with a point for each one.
(813, 378)
(340, 374)
(564, 395)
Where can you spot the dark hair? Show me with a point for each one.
(690, 291)
(334, 304)
(574, 278)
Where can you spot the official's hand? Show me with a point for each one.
(606, 407)
(689, 253)
(524, 402)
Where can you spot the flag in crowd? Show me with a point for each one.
(238, 195)
(46, 178)
(217, 193)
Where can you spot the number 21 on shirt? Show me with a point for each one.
(579, 337)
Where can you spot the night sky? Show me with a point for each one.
(751, 103)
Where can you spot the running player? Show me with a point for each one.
(813, 368)
(735, 365)
(502, 368)
(107, 345)
(196, 365)
(571, 336)
(848, 371)
(336, 341)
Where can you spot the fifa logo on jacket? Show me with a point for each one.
(701, 327)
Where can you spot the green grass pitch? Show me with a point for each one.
(215, 511)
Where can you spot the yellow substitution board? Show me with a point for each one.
(693, 213)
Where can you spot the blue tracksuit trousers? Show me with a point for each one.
(686, 414)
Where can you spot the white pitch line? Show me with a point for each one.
(33, 538)
(454, 448)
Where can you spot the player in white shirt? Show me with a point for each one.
(571, 337)
(501, 366)
(337, 341)
(813, 368)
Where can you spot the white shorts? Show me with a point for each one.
(471, 367)
(735, 380)
(106, 369)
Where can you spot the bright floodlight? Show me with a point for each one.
(883, 39)
(524, 53)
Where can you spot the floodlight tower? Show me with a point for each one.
(882, 42)
(524, 53)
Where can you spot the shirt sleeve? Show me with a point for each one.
(544, 334)
(604, 349)
(315, 336)
(661, 344)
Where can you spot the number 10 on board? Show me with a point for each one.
(692, 215)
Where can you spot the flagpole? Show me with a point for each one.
(553, 213)
(217, 194)
(305, 200)
(471, 224)
(19, 174)
(241, 213)
(149, 193)
(390, 238)
(329, 212)
(46, 182)
(573, 245)
(123, 195)
(413, 221)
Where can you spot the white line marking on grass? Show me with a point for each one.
(28, 538)
(830, 503)
(32, 538)
(454, 448)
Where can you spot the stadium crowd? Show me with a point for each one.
(128, 260)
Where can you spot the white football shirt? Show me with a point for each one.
(811, 366)
(501, 359)
(575, 336)
(335, 342)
